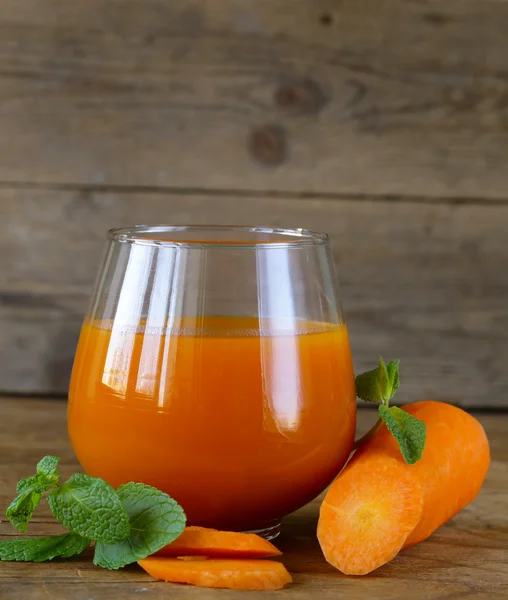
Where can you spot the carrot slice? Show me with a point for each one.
(368, 513)
(234, 574)
(219, 544)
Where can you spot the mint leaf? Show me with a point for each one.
(392, 369)
(367, 386)
(29, 482)
(91, 507)
(21, 509)
(155, 520)
(383, 380)
(380, 384)
(409, 432)
(47, 468)
(43, 548)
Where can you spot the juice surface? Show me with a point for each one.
(238, 425)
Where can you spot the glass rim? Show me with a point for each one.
(145, 235)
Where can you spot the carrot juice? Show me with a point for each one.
(240, 422)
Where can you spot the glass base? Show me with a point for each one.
(269, 533)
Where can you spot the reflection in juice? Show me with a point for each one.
(240, 425)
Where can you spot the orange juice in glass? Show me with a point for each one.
(214, 364)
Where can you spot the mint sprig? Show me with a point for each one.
(127, 525)
(380, 385)
(30, 491)
(155, 521)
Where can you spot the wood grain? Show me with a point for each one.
(426, 282)
(361, 118)
(328, 97)
(466, 558)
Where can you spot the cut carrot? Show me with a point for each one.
(219, 544)
(368, 513)
(454, 464)
(379, 504)
(234, 574)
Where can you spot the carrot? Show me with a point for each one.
(201, 541)
(371, 510)
(234, 574)
(454, 464)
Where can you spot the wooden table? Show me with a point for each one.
(467, 558)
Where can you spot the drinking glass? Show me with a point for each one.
(214, 364)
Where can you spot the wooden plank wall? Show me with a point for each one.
(384, 123)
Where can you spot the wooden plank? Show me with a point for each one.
(465, 558)
(326, 97)
(423, 282)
